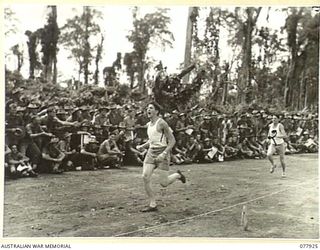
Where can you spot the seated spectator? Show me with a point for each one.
(231, 150)
(244, 150)
(14, 123)
(220, 150)
(102, 117)
(88, 154)
(262, 141)
(62, 114)
(207, 151)
(109, 154)
(307, 144)
(312, 144)
(132, 155)
(206, 127)
(76, 115)
(52, 157)
(98, 133)
(71, 155)
(122, 137)
(35, 136)
(19, 165)
(193, 149)
(6, 163)
(179, 153)
(256, 148)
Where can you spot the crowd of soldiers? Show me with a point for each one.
(56, 138)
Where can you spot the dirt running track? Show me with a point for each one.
(106, 203)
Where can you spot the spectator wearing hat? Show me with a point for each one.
(62, 115)
(31, 110)
(85, 113)
(85, 126)
(205, 155)
(115, 116)
(215, 124)
(52, 122)
(102, 117)
(76, 115)
(71, 155)
(288, 123)
(98, 133)
(182, 126)
(172, 121)
(88, 154)
(109, 154)
(182, 123)
(52, 157)
(35, 139)
(206, 127)
(13, 122)
(305, 144)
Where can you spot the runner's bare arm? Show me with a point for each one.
(283, 132)
(163, 126)
(145, 145)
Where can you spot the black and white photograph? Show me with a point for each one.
(161, 121)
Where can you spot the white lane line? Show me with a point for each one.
(207, 213)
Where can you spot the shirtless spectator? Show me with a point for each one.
(109, 154)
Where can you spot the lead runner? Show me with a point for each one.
(160, 143)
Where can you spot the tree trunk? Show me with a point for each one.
(55, 71)
(225, 86)
(20, 61)
(301, 91)
(248, 27)
(87, 46)
(187, 52)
